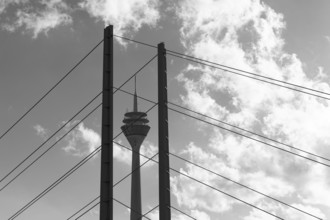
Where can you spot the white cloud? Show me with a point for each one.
(41, 131)
(248, 36)
(127, 16)
(316, 190)
(81, 141)
(39, 17)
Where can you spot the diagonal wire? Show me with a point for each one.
(34, 105)
(129, 208)
(250, 132)
(247, 72)
(227, 194)
(49, 148)
(84, 208)
(135, 41)
(251, 77)
(251, 138)
(247, 187)
(122, 179)
(85, 212)
(230, 69)
(58, 181)
(65, 124)
(137, 72)
(151, 210)
(183, 212)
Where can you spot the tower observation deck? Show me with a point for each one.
(135, 129)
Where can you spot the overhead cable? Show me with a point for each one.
(51, 89)
(84, 208)
(250, 132)
(63, 126)
(54, 184)
(247, 187)
(85, 212)
(251, 138)
(183, 212)
(251, 77)
(143, 216)
(234, 70)
(227, 194)
(49, 148)
(247, 72)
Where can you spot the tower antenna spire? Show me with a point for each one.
(135, 109)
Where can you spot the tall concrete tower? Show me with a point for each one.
(135, 129)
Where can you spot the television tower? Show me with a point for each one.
(135, 129)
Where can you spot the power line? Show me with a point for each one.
(151, 158)
(230, 69)
(84, 208)
(151, 210)
(137, 72)
(247, 187)
(250, 73)
(64, 125)
(51, 89)
(183, 213)
(250, 77)
(143, 216)
(58, 181)
(227, 194)
(35, 160)
(89, 156)
(135, 41)
(85, 212)
(250, 132)
(237, 133)
(251, 138)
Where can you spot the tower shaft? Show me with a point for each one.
(136, 212)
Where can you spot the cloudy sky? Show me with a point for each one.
(284, 39)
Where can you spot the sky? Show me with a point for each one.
(287, 40)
